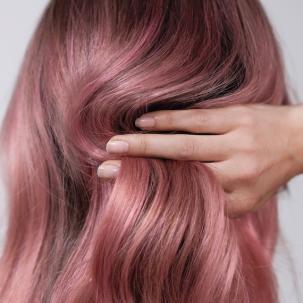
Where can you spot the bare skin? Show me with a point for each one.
(253, 150)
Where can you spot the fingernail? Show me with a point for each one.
(145, 122)
(108, 171)
(117, 147)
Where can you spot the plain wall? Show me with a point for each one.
(17, 21)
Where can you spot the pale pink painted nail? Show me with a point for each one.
(108, 170)
(145, 122)
(117, 147)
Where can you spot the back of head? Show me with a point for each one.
(158, 233)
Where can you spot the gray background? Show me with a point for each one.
(17, 21)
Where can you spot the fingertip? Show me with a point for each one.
(145, 122)
(108, 170)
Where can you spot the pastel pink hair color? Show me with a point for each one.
(157, 233)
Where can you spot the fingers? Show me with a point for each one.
(215, 121)
(238, 202)
(235, 207)
(109, 169)
(171, 146)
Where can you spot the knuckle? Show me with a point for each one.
(237, 110)
(187, 150)
(142, 145)
(201, 120)
(171, 119)
(247, 118)
(248, 142)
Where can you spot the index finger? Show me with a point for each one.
(211, 121)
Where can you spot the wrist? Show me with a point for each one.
(296, 136)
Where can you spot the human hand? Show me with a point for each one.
(253, 150)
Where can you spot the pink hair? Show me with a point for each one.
(158, 233)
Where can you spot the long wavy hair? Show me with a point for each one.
(157, 233)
